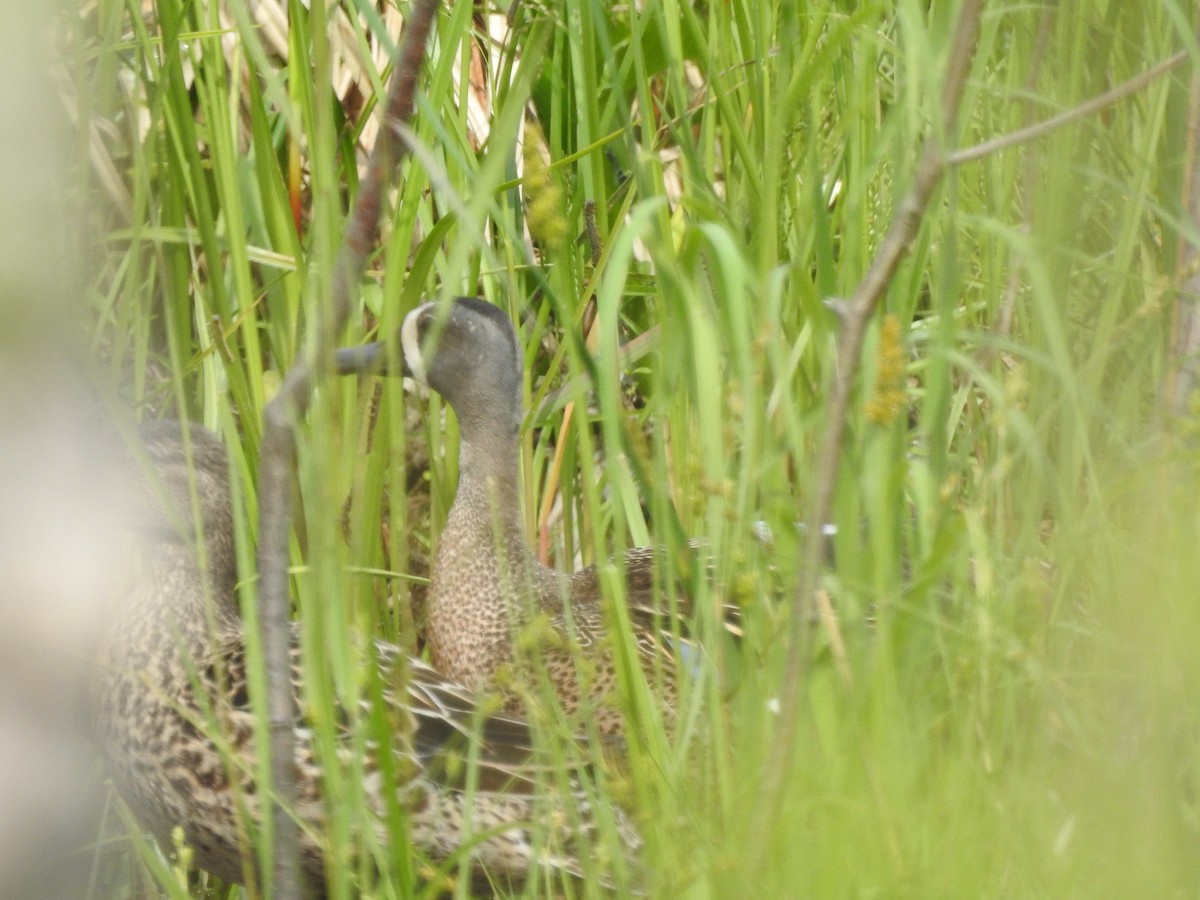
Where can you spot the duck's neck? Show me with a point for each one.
(486, 581)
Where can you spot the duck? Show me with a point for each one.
(488, 589)
(173, 714)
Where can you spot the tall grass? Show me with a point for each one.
(1006, 703)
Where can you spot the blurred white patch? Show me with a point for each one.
(58, 540)
(1063, 839)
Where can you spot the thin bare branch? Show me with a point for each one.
(1041, 129)
(279, 448)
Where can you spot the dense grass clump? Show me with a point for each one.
(668, 198)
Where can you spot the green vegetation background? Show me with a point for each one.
(1007, 704)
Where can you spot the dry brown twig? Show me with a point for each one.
(1187, 339)
(279, 449)
(1040, 129)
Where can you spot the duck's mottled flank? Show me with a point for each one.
(172, 675)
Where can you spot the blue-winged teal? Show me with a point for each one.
(487, 584)
(172, 672)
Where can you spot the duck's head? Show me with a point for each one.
(466, 350)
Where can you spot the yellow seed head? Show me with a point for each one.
(543, 193)
(888, 399)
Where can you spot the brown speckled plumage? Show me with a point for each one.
(487, 585)
(172, 675)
